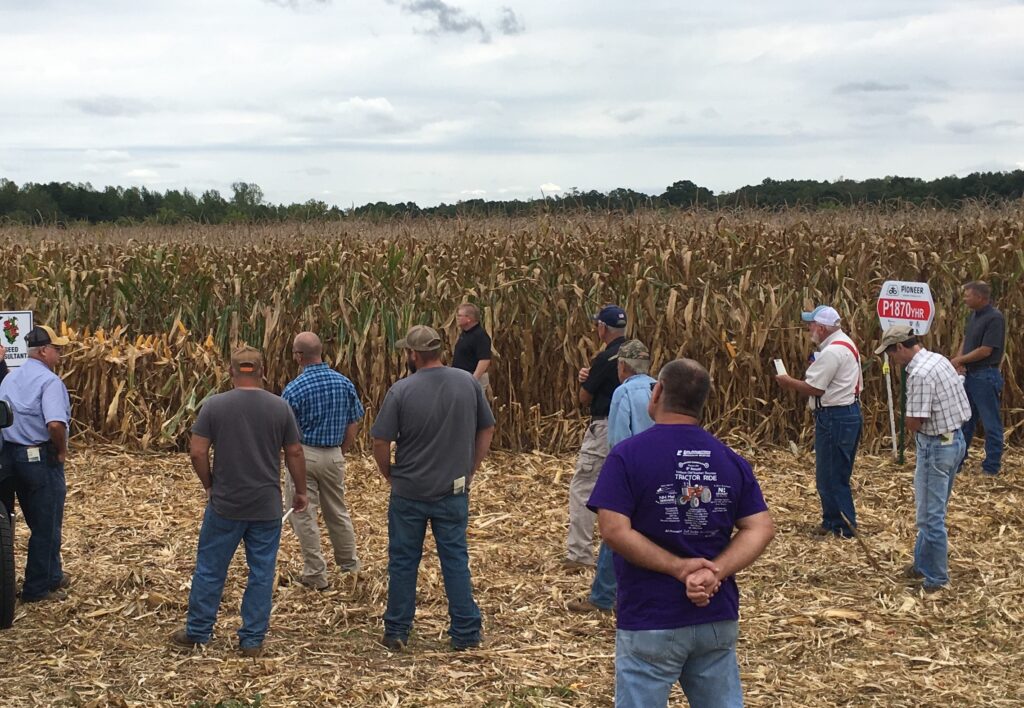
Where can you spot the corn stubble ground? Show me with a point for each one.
(152, 311)
(819, 627)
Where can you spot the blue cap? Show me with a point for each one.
(612, 316)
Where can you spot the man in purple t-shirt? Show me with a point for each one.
(668, 501)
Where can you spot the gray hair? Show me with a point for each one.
(617, 331)
(637, 366)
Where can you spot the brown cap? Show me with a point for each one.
(633, 349)
(420, 338)
(246, 360)
(894, 335)
(41, 335)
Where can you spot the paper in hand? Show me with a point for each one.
(780, 368)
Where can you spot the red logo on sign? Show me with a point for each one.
(917, 310)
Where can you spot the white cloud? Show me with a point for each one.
(357, 99)
(550, 188)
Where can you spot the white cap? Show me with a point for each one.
(823, 315)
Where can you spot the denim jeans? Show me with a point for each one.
(984, 389)
(602, 590)
(407, 527)
(41, 491)
(218, 541)
(836, 436)
(702, 658)
(937, 463)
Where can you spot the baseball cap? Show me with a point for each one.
(41, 335)
(894, 335)
(822, 314)
(246, 359)
(612, 316)
(633, 349)
(420, 338)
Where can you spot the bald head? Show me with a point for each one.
(308, 348)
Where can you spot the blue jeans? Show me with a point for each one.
(602, 590)
(702, 658)
(984, 389)
(836, 436)
(933, 482)
(218, 541)
(41, 491)
(407, 527)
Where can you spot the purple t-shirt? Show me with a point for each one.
(683, 489)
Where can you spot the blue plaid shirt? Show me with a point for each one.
(325, 404)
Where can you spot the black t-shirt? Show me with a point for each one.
(603, 379)
(474, 346)
(985, 328)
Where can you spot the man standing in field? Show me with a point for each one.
(627, 417)
(937, 408)
(327, 410)
(978, 359)
(597, 384)
(34, 450)
(833, 382)
(443, 427)
(473, 349)
(668, 501)
(247, 427)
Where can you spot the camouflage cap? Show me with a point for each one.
(633, 349)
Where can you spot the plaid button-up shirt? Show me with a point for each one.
(936, 394)
(325, 404)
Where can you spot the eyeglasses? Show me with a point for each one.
(653, 384)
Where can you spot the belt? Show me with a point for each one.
(321, 447)
(16, 444)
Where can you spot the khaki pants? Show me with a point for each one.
(325, 486)
(588, 466)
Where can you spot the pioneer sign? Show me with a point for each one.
(905, 303)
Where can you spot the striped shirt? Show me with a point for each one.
(935, 394)
(325, 404)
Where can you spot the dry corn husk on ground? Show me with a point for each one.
(819, 626)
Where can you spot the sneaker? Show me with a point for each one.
(820, 532)
(64, 584)
(251, 652)
(314, 585)
(585, 606)
(912, 572)
(181, 639)
(569, 564)
(395, 644)
(51, 596)
(933, 590)
(464, 646)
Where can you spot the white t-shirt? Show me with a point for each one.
(836, 371)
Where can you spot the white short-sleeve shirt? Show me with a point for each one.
(836, 371)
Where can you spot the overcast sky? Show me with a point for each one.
(353, 101)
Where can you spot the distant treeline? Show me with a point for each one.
(64, 202)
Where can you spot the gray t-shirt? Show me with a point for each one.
(434, 415)
(248, 427)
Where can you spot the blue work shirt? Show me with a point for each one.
(325, 404)
(628, 415)
(38, 396)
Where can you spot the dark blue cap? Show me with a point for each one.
(612, 316)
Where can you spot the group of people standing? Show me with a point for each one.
(679, 512)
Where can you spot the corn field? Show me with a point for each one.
(153, 310)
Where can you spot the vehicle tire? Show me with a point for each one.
(6, 570)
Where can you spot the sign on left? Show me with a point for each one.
(14, 326)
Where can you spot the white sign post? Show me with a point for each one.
(14, 326)
(903, 303)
